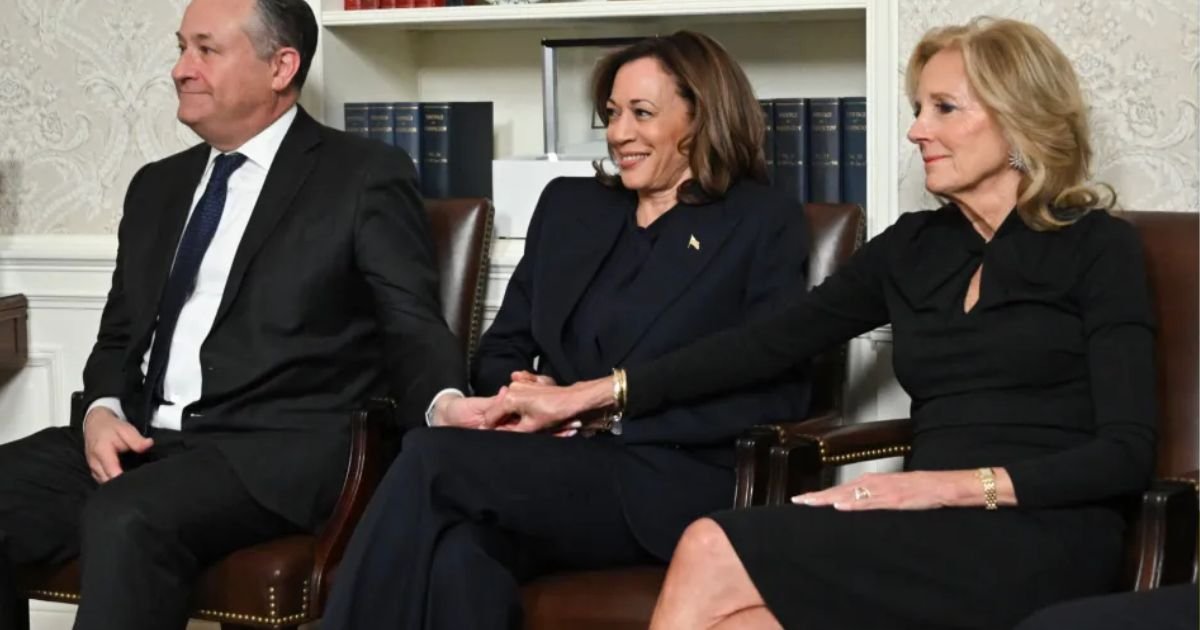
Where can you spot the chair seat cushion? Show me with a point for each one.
(265, 585)
(614, 599)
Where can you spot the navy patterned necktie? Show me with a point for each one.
(182, 281)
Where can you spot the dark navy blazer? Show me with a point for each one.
(736, 258)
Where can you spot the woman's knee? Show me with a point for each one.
(704, 540)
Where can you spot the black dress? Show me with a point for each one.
(1050, 376)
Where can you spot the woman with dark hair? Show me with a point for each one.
(1023, 332)
(686, 240)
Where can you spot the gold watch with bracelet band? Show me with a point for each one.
(987, 477)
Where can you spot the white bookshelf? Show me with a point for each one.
(520, 16)
(788, 48)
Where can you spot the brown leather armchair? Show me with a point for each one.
(624, 598)
(284, 583)
(1161, 546)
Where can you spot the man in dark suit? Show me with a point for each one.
(267, 282)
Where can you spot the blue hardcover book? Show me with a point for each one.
(381, 122)
(791, 148)
(456, 149)
(854, 150)
(768, 109)
(824, 150)
(355, 118)
(406, 130)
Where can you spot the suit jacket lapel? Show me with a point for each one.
(290, 169)
(592, 236)
(681, 252)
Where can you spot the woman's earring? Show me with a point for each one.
(1016, 161)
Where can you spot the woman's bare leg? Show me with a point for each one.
(706, 583)
(756, 618)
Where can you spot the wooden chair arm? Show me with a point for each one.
(753, 450)
(370, 428)
(1164, 535)
(808, 453)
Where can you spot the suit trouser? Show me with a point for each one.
(1167, 608)
(142, 537)
(463, 517)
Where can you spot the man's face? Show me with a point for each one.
(224, 87)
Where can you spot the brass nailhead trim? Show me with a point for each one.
(55, 595)
(874, 453)
(1188, 480)
(221, 614)
(476, 323)
(277, 621)
(274, 619)
(853, 456)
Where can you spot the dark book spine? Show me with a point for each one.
(351, 5)
(368, 4)
(356, 119)
(824, 150)
(791, 148)
(381, 122)
(768, 110)
(387, 4)
(404, 4)
(435, 150)
(854, 150)
(471, 149)
(407, 131)
(456, 149)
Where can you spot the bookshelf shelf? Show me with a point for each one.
(568, 13)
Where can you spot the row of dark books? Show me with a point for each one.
(817, 148)
(355, 5)
(450, 143)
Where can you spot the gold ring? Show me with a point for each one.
(861, 493)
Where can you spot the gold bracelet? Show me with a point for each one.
(620, 389)
(988, 478)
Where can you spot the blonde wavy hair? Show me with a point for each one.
(1028, 85)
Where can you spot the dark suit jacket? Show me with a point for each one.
(752, 259)
(332, 298)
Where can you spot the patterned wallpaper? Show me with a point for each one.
(86, 98)
(1139, 63)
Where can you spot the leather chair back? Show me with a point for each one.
(838, 230)
(1171, 241)
(462, 239)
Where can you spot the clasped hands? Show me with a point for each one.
(531, 403)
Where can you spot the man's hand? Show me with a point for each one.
(462, 412)
(105, 437)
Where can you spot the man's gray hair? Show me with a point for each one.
(279, 24)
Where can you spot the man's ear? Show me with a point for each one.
(284, 66)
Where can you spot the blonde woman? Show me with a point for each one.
(1023, 333)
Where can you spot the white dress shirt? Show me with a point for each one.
(183, 379)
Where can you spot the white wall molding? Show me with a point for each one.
(49, 357)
